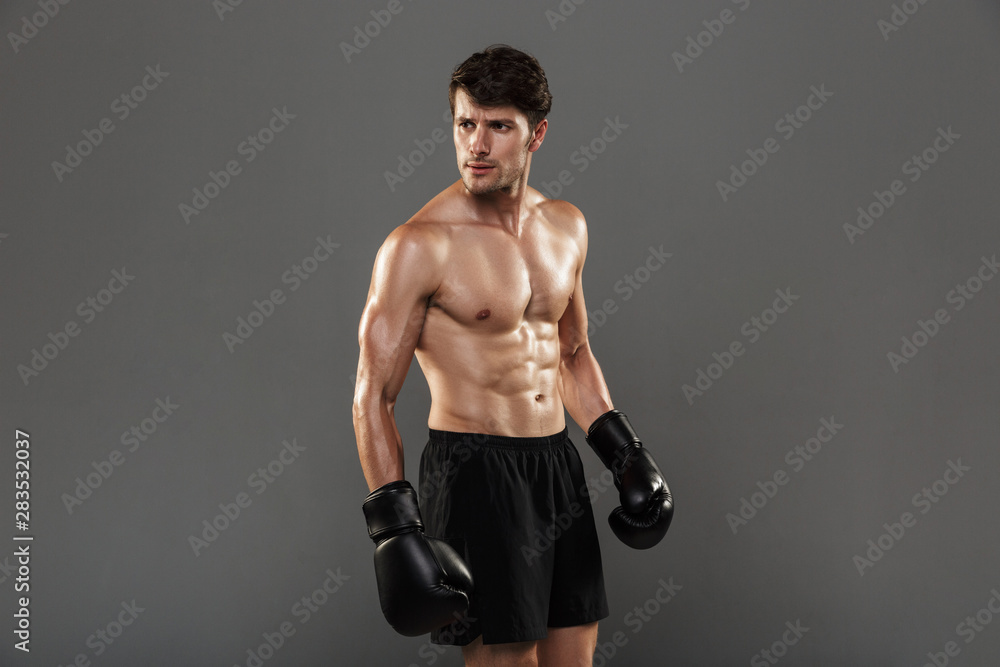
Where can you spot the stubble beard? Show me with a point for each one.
(504, 180)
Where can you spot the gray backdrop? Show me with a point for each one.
(819, 382)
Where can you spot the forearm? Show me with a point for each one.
(379, 446)
(582, 387)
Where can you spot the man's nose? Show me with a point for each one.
(480, 143)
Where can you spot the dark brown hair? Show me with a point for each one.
(500, 75)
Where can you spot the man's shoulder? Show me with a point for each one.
(435, 218)
(564, 216)
(415, 237)
(416, 242)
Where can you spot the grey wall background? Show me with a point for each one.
(161, 337)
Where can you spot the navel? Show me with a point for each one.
(539, 397)
(483, 314)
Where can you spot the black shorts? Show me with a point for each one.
(517, 509)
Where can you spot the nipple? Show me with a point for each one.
(483, 314)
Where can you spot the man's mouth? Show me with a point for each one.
(479, 167)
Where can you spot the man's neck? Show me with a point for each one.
(505, 208)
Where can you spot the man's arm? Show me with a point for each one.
(581, 383)
(405, 275)
(422, 582)
(647, 506)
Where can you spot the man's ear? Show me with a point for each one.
(538, 136)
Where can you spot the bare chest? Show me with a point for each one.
(495, 282)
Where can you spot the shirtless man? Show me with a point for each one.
(484, 285)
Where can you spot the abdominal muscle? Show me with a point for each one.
(502, 382)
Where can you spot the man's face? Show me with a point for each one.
(492, 145)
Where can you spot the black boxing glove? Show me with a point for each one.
(422, 582)
(647, 506)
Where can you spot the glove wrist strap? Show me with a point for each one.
(613, 440)
(392, 509)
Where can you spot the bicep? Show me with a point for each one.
(403, 279)
(573, 323)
